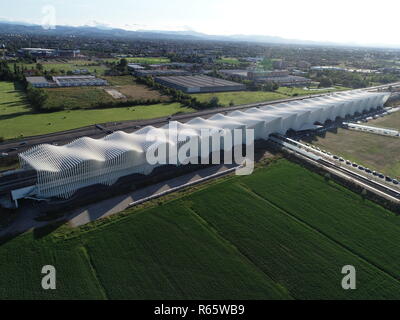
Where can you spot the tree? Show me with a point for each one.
(325, 83)
(39, 67)
(214, 102)
(37, 98)
(123, 63)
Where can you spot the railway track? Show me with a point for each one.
(378, 186)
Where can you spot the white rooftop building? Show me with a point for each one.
(63, 170)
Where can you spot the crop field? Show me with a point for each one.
(87, 97)
(263, 239)
(17, 125)
(133, 90)
(76, 98)
(379, 153)
(240, 97)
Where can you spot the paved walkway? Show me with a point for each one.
(26, 215)
(117, 204)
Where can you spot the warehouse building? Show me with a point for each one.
(79, 81)
(48, 53)
(63, 170)
(39, 82)
(158, 72)
(200, 84)
(66, 81)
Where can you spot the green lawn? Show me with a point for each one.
(12, 100)
(281, 233)
(302, 92)
(18, 125)
(227, 60)
(66, 66)
(240, 97)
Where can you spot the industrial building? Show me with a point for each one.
(39, 82)
(200, 84)
(159, 72)
(63, 170)
(280, 77)
(66, 81)
(48, 53)
(79, 81)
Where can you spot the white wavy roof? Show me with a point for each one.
(121, 151)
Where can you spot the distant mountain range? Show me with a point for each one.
(107, 32)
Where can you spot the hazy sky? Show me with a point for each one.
(355, 21)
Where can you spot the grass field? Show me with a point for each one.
(67, 66)
(143, 60)
(240, 97)
(263, 239)
(227, 60)
(302, 92)
(379, 153)
(12, 99)
(76, 98)
(391, 121)
(87, 97)
(16, 125)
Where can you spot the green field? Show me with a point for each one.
(17, 120)
(143, 60)
(240, 97)
(391, 121)
(66, 66)
(281, 233)
(302, 92)
(12, 100)
(76, 98)
(23, 124)
(227, 60)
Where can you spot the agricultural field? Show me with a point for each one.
(264, 239)
(76, 98)
(379, 153)
(17, 125)
(240, 97)
(87, 97)
(133, 90)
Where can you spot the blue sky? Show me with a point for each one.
(350, 21)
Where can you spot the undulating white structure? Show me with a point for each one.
(62, 170)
